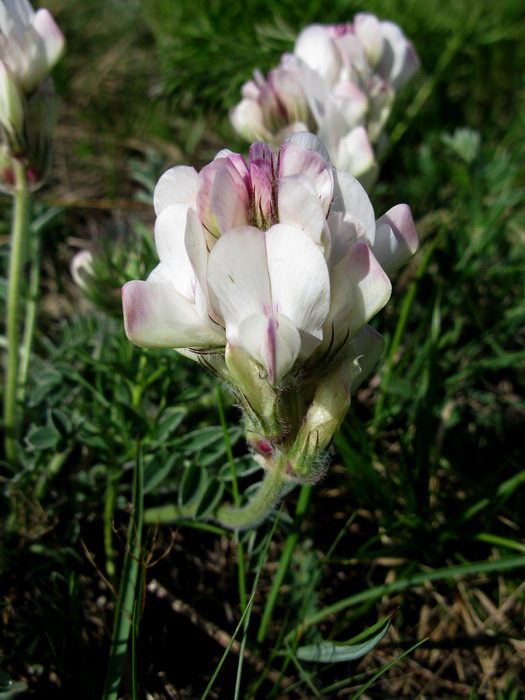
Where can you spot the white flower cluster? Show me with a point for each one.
(340, 83)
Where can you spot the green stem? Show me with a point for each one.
(241, 573)
(31, 306)
(125, 607)
(271, 490)
(274, 486)
(284, 562)
(16, 263)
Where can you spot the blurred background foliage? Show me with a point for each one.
(423, 505)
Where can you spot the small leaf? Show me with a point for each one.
(210, 498)
(169, 420)
(355, 648)
(155, 472)
(199, 439)
(61, 421)
(192, 483)
(244, 466)
(43, 438)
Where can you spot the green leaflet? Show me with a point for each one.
(355, 648)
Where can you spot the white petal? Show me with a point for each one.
(170, 231)
(399, 61)
(177, 185)
(368, 31)
(238, 281)
(351, 198)
(396, 238)
(300, 284)
(274, 342)
(295, 159)
(229, 201)
(316, 48)
(299, 206)
(309, 142)
(355, 153)
(53, 41)
(360, 288)
(157, 316)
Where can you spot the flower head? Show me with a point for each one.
(268, 276)
(30, 45)
(340, 82)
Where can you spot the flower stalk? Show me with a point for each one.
(16, 262)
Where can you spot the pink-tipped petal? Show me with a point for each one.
(229, 200)
(157, 316)
(360, 288)
(295, 159)
(396, 238)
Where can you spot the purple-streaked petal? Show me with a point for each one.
(157, 316)
(273, 342)
(177, 185)
(241, 169)
(396, 238)
(261, 151)
(208, 195)
(261, 193)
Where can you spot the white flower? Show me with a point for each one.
(340, 82)
(269, 272)
(275, 256)
(30, 42)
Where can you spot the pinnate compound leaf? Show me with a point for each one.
(355, 648)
